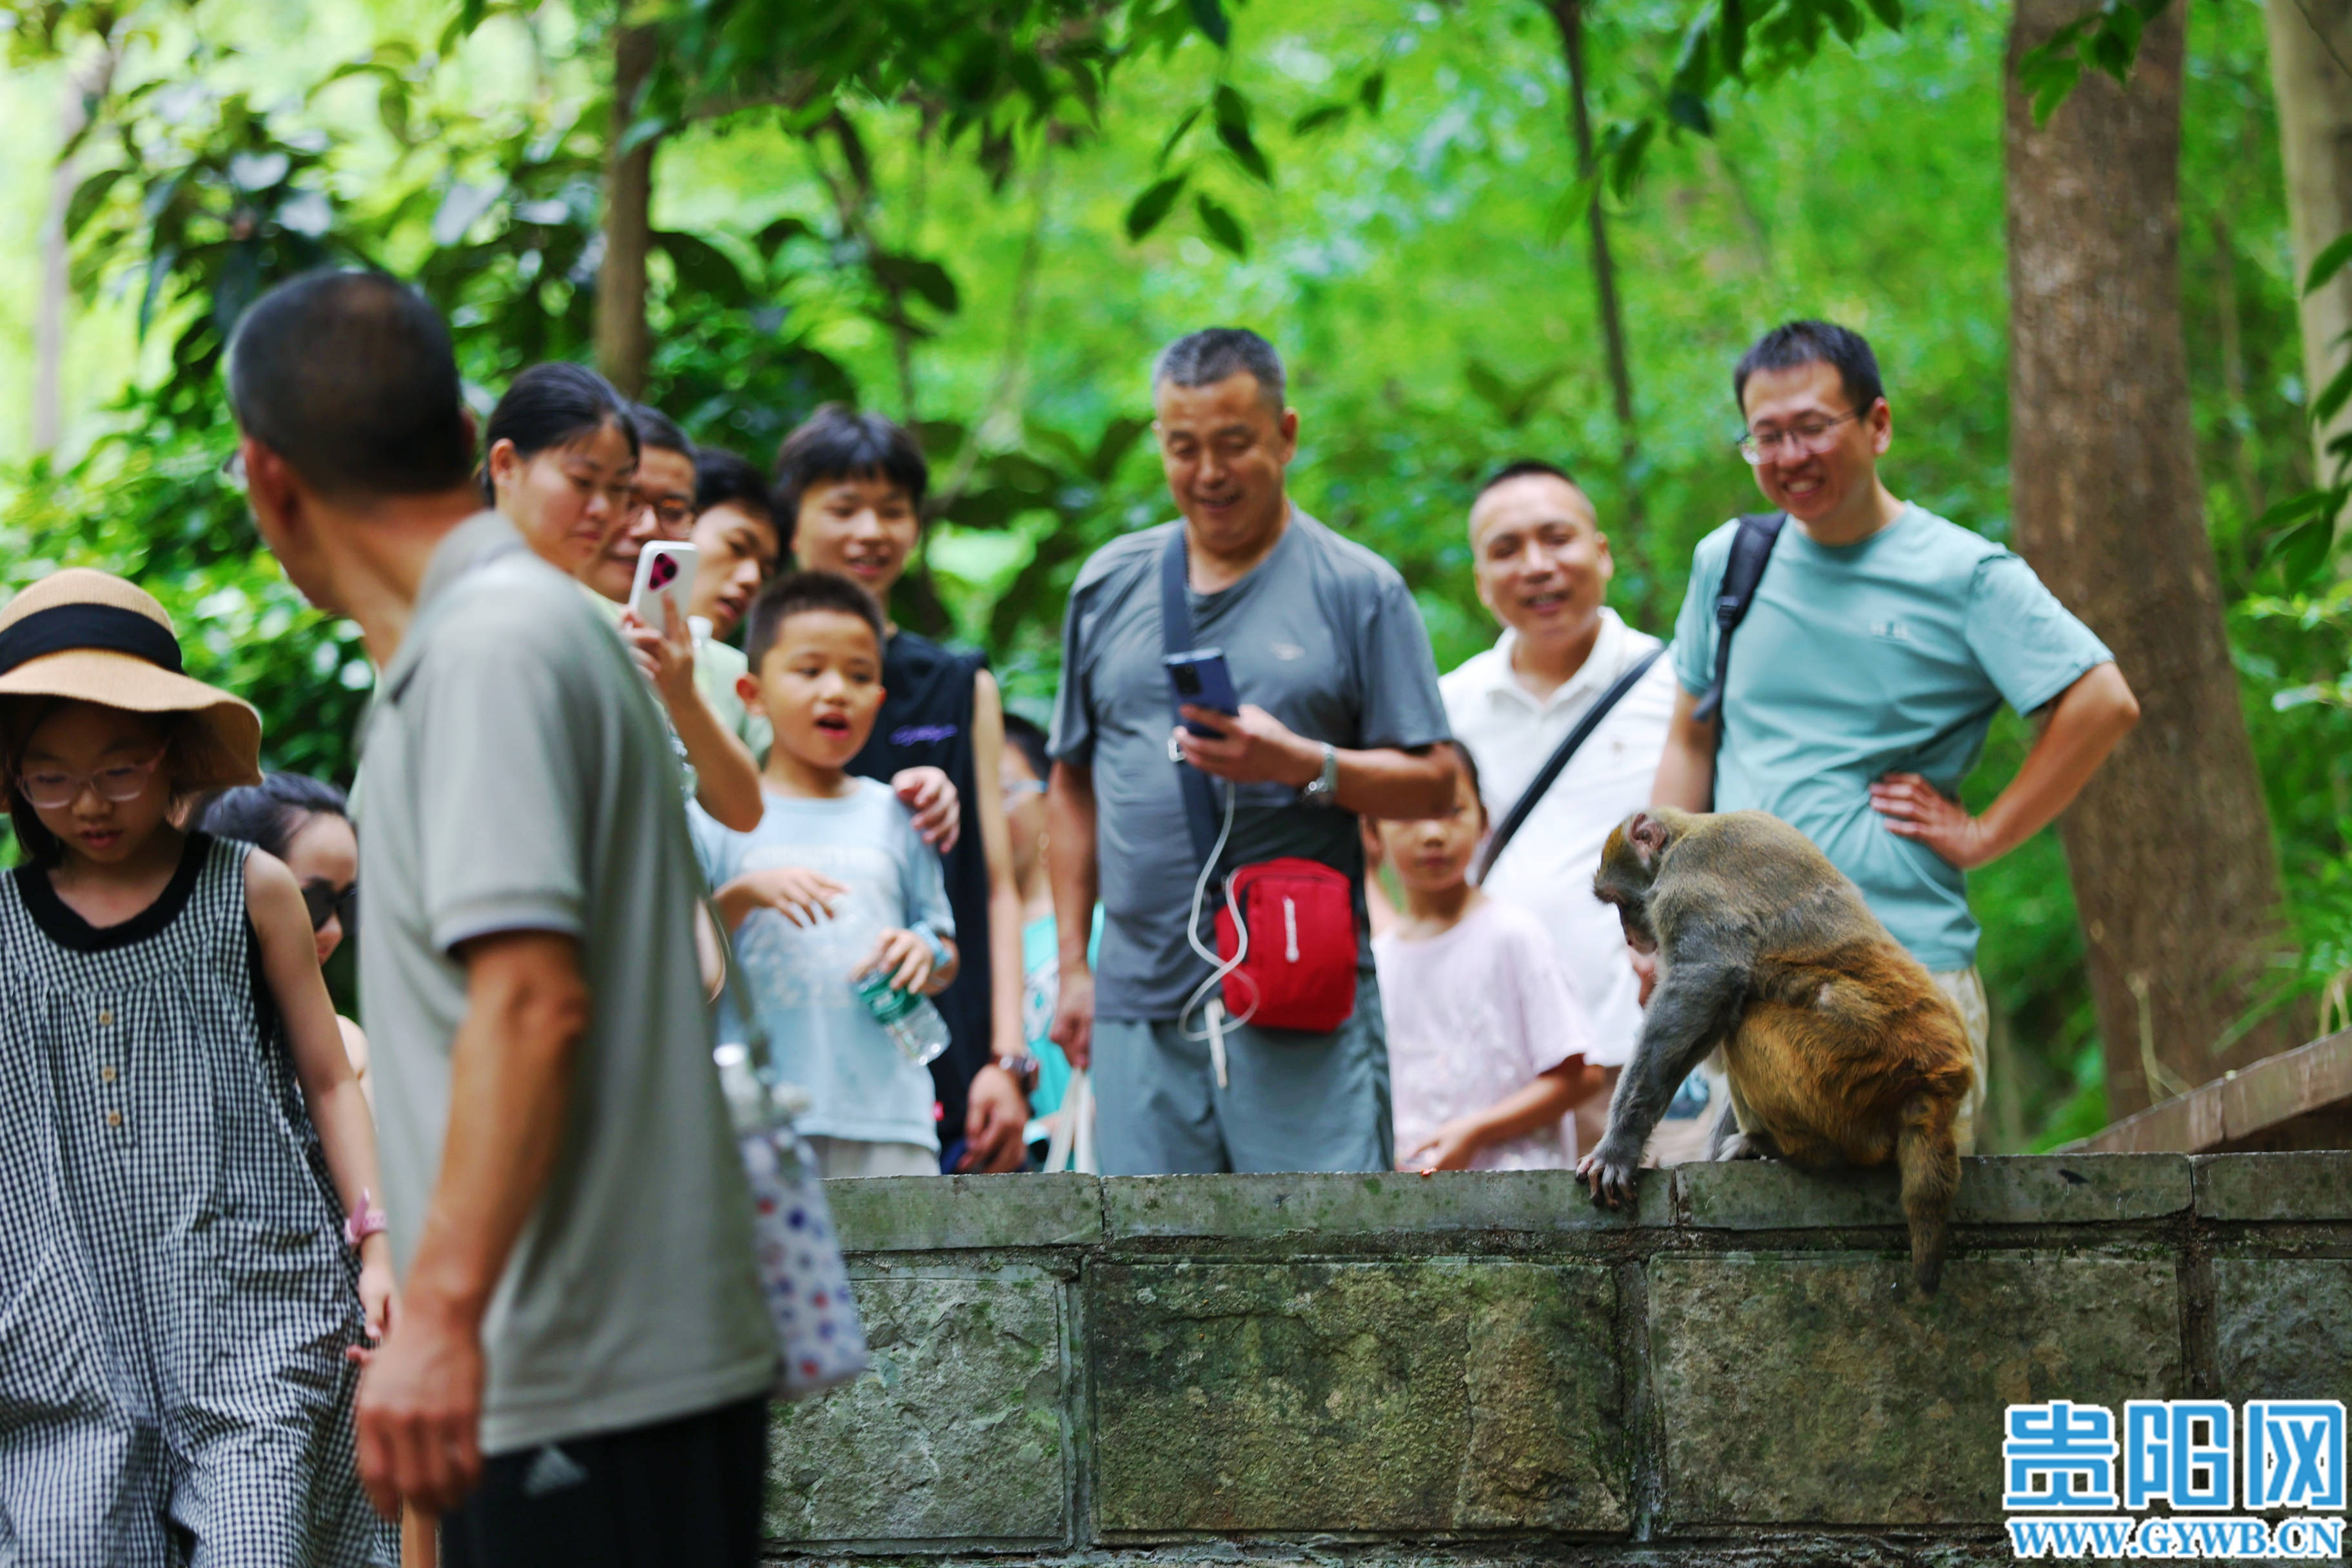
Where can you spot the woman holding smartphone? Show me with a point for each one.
(569, 462)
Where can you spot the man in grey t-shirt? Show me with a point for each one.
(568, 1212)
(1341, 717)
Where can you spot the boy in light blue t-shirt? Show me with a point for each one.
(833, 884)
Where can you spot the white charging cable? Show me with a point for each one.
(1218, 1023)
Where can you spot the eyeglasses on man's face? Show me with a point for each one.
(673, 516)
(1808, 437)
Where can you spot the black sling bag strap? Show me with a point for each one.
(1750, 549)
(1531, 796)
(1175, 638)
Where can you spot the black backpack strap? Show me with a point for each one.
(1175, 638)
(1531, 796)
(1750, 549)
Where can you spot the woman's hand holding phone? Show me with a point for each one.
(664, 654)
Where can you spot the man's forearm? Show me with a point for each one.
(510, 1067)
(1686, 766)
(1383, 781)
(1398, 784)
(1071, 865)
(2085, 725)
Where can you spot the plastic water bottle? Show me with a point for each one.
(913, 1025)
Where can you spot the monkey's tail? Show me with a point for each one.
(1930, 1161)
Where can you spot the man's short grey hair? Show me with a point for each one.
(1209, 355)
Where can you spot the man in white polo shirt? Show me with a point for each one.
(1543, 568)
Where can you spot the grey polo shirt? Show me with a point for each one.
(1322, 634)
(517, 777)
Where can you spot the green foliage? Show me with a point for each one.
(207, 200)
(2105, 39)
(2301, 531)
(217, 203)
(987, 76)
(2294, 646)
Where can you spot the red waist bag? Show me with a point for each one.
(1301, 969)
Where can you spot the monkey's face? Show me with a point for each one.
(1629, 868)
(1635, 919)
(1629, 865)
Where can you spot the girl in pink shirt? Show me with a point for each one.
(1487, 1041)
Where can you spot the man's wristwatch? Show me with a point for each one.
(1024, 1068)
(1324, 787)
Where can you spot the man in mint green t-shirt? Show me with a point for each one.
(1878, 645)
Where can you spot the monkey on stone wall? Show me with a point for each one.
(1838, 1046)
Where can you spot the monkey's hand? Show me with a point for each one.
(1609, 1171)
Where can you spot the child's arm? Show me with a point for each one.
(915, 956)
(290, 962)
(1552, 1095)
(802, 896)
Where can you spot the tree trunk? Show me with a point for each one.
(2169, 846)
(84, 87)
(2310, 44)
(1570, 16)
(624, 342)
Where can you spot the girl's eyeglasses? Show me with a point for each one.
(326, 902)
(53, 789)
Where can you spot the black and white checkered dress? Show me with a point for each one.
(176, 1297)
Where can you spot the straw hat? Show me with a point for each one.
(92, 637)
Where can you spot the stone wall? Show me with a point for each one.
(1483, 1368)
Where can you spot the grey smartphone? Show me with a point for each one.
(1201, 680)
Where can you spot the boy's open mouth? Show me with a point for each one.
(833, 723)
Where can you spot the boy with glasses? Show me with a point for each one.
(1877, 648)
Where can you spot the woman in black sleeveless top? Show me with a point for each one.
(850, 487)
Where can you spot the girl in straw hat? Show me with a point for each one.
(181, 1136)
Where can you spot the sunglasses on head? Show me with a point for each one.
(328, 902)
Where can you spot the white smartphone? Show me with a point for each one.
(665, 576)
